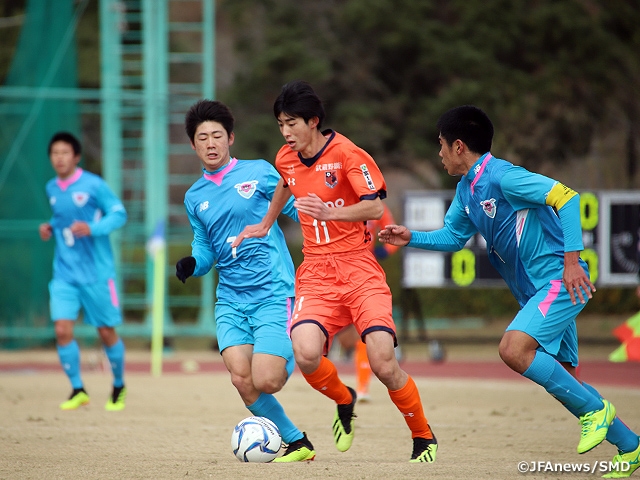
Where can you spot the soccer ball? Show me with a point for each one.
(256, 439)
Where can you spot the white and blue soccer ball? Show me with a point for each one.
(256, 440)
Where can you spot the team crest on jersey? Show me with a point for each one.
(367, 177)
(80, 198)
(331, 179)
(246, 189)
(291, 170)
(489, 207)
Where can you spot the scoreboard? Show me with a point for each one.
(610, 234)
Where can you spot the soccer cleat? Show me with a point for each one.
(343, 423)
(299, 451)
(595, 426)
(424, 450)
(116, 401)
(621, 461)
(77, 399)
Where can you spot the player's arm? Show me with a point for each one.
(368, 208)
(524, 189)
(114, 216)
(457, 230)
(280, 197)
(272, 182)
(202, 258)
(567, 203)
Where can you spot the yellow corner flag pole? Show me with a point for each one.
(157, 249)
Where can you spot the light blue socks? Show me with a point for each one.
(268, 406)
(69, 355)
(115, 354)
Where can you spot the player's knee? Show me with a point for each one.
(269, 385)
(385, 371)
(243, 384)
(505, 350)
(307, 359)
(512, 354)
(64, 334)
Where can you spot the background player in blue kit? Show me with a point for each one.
(85, 212)
(255, 281)
(532, 227)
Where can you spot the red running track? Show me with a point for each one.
(596, 372)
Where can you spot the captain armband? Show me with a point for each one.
(559, 195)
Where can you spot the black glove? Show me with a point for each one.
(185, 268)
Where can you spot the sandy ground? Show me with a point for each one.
(179, 426)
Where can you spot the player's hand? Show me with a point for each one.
(80, 229)
(313, 206)
(45, 230)
(575, 279)
(185, 268)
(395, 235)
(258, 230)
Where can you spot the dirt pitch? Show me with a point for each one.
(179, 425)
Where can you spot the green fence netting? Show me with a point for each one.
(43, 65)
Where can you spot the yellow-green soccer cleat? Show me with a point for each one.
(298, 451)
(624, 464)
(343, 423)
(77, 399)
(116, 401)
(595, 426)
(424, 450)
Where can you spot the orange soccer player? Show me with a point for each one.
(338, 187)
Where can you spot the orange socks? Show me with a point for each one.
(325, 380)
(363, 369)
(407, 399)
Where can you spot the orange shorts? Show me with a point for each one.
(336, 290)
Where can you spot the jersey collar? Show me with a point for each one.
(477, 170)
(310, 161)
(217, 176)
(64, 183)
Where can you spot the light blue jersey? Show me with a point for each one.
(219, 206)
(526, 239)
(83, 197)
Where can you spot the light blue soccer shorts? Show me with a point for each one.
(98, 300)
(263, 325)
(550, 318)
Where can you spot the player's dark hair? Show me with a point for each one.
(208, 111)
(469, 124)
(66, 137)
(298, 100)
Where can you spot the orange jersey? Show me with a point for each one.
(341, 174)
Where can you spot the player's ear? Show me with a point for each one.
(232, 137)
(193, 145)
(313, 122)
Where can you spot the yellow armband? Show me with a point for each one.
(559, 195)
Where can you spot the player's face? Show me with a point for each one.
(63, 159)
(453, 163)
(211, 144)
(296, 133)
